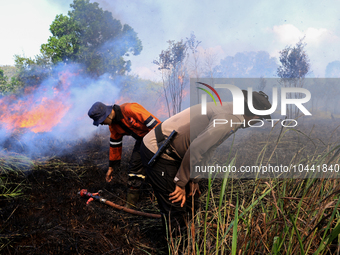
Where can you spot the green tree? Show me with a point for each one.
(9, 71)
(294, 62)
(91, 36)
(8, 86)
(171, 63)
(3, 78)
(294, 67)
(64, 44)
(30, 71)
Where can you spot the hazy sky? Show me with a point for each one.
(225, 27)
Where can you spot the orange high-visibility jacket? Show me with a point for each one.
(130, 119)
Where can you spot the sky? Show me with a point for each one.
(224, 27)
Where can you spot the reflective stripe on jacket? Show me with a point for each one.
(130, 119)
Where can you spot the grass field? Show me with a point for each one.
(41, 212)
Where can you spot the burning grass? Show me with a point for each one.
(237, 216)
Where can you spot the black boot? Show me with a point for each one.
(132, 197)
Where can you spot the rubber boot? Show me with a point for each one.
(132, 198)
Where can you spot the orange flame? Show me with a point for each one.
(36, 114)
(122, 100)
(180, 78)
(186, 92)
(162, 111)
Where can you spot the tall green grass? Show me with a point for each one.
(272, 215)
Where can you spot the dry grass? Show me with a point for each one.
(237, 216)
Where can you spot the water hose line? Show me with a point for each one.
(96, 196)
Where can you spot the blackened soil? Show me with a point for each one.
(52, 218)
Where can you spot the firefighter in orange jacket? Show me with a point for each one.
(126, 119)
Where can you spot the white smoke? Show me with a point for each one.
(79, 95)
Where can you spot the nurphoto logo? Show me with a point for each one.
(238, 102)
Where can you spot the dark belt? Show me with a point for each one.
(160, 139)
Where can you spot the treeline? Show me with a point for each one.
(94, 40)
(9, 82)
(87, 36)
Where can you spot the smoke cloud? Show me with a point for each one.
(56, 110)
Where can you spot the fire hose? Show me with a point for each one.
(96, 196)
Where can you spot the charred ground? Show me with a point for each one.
(51, 218)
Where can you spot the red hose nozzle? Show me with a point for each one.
(83, 192)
